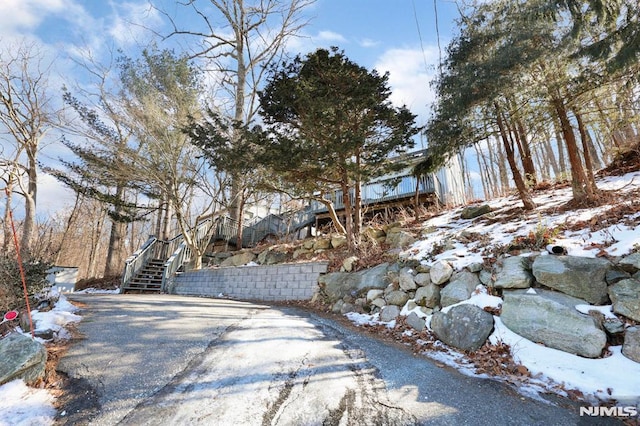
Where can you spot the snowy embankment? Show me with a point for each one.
(613, 377)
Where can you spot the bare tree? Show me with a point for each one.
(239, 43)
(26, 114)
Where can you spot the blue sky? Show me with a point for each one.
(380, 34)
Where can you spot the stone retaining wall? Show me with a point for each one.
(295, 281)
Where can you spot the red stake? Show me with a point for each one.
(22, 276)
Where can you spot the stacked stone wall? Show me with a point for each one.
(294, 281)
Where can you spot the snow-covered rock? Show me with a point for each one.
(551, 318)
(625, 296)
(513, 273)
(581, 277)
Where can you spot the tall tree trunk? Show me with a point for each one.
(521, 186)
(591, 186)
(94, 248)
(30, 200)
(549, 155)
(70, 223)
(525, 153)
(562, 163)
(6, 223)
(348, 212)
(116, 240)
(502, 167)
(578, 177)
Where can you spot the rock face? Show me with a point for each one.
(551, 318)
(576, 276)
(631, 346)
(337, 284)
(460, 288)
(625, 296)
(513, 274)
(465, 327)
(22, 358)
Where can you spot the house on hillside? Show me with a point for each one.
(400, 188)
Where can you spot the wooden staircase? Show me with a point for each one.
(148, 279)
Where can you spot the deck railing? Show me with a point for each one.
(139, 258)
(176, 252)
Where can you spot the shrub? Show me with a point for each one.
(11, 291)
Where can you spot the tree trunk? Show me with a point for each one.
(333, 215)
(591, 186)
(348, 212)
(70, 223)
(502, 167)
(117, 239)
(525, 153)
(94, 249)
(6, 224)
(30, 198)
(578, 177)
(521, 186)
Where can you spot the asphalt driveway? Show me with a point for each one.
(161, 359)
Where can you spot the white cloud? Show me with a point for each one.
(410, 74)
(367, 42)
(131, 23)
(324, 36)
(19, 15)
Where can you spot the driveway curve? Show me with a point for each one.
(161, 359)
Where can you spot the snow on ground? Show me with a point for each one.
(613, 377)
(618, 238)
(20, 404)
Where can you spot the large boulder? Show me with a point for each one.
(465, 327)
(460, 288)
(239, 259)
(22, 358)
(472, 212)
(625, 296)
(631, 346)
(272, 257)
(397, 238)
(581, 277)
(551, 318)
(339, 284)
(440, 272)
(513, 273)
(630, 263)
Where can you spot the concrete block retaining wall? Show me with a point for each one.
(295, 281)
